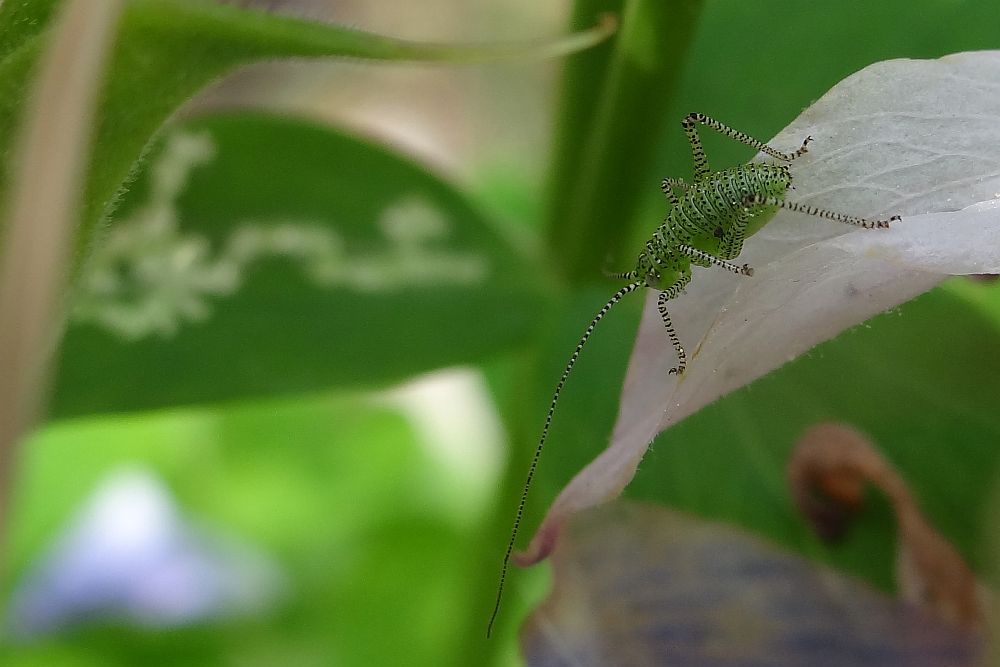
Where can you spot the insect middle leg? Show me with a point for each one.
(867, 223)
(701, 168)
(661, 305)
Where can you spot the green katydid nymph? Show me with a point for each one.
(709, 219)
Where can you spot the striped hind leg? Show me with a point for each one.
(701, 168)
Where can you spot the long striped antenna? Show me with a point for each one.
(541, 441)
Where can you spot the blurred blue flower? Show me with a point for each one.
(130, 557)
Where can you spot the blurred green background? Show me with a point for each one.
(328, 316)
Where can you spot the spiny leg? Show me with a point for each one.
(867, 223)
(707, 259)
(622, 275)
(661, 305)
(631, 287)
(698, 153)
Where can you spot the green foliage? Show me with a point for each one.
(279, 475)
(942, 441)
(611, 113)
(298, 283)
(384, 546)
(166, 51)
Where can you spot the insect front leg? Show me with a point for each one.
(619, 275)
(698, 153)
(703, 258)
(634, 274)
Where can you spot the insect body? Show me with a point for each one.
(706, 226)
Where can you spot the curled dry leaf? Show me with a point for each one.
(829, 468)
(918, 138)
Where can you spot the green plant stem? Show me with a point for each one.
(607, 127)
(41, 215)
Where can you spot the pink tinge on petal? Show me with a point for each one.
(542, 545)
(606, 476)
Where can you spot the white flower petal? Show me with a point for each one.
(918, 138)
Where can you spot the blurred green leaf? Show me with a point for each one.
(757, 66)
(922, 380)
(169, 49)
(20, 22)
(333, 488)
(924, 392)
(261, 255)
